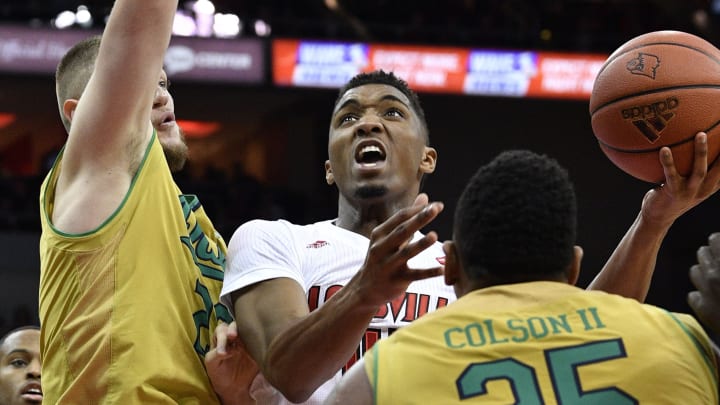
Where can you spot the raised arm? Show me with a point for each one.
(629, 270)
(298, 350)
(110, 123)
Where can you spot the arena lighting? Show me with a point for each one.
(204, 17)
(262, 29)
(227, 25)
(83, 17)
(184, 24)
(203, 7)
(198, 129)
(65, 19)
(6, 119)
(701, 19)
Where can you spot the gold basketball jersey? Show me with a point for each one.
(127, 310)
(545, 343)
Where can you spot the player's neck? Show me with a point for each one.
(363, 218)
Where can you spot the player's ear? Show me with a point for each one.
(429, 160)
(69, 107)
(328, 173)
(452, 263)
(573, 272)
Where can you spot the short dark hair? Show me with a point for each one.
(388, 78)
(16, 330)
(74, 70)
(516, 219)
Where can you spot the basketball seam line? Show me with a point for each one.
(607, 62)
(687, 86)
(658, 147)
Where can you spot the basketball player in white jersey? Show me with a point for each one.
(309, 300)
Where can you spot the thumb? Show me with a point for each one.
(421, 199)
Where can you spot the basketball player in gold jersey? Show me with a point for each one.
(131, 268)
(520, 332)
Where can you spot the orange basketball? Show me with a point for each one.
(658, 89)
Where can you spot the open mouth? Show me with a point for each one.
(370, 153)
(32, 393)
(165, 119)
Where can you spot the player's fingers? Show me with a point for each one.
(404, 231)
(221, 335)
(705, 308)
(696, 302)
(232, 331)
(421, 200)
(714, 243)
(410, 250)
(701, 153)
(385, 241)
(672, 177)
(706, 259)
(421, 274)
(210, 357)
(696, 277)
(395, 221)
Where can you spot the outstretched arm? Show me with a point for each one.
(110, 123)
(298, 350)
(629, 270)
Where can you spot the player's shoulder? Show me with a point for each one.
(279, 228)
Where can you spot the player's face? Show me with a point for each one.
(376, 146)
(20, 368)
(168, 131)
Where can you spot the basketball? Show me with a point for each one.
(658, 89)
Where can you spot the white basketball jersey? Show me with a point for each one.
(322, 258)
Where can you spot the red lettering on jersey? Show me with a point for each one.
(423, 305)
(313, 298)
(415, 306)
(331, 291)
(410, 301)
(366, 343)
(313, 295)
(382, 311)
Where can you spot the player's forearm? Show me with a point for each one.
(133, 46)
(136, 37)
(316, 347)
(628, 271)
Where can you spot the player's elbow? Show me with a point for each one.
(296, 384)
(295, 390)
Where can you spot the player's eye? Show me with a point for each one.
(394, 112)
(347, 118)
(18, 363)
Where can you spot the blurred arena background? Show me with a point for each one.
(257, 134)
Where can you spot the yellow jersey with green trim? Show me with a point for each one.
(545, 343)
(127, 310)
